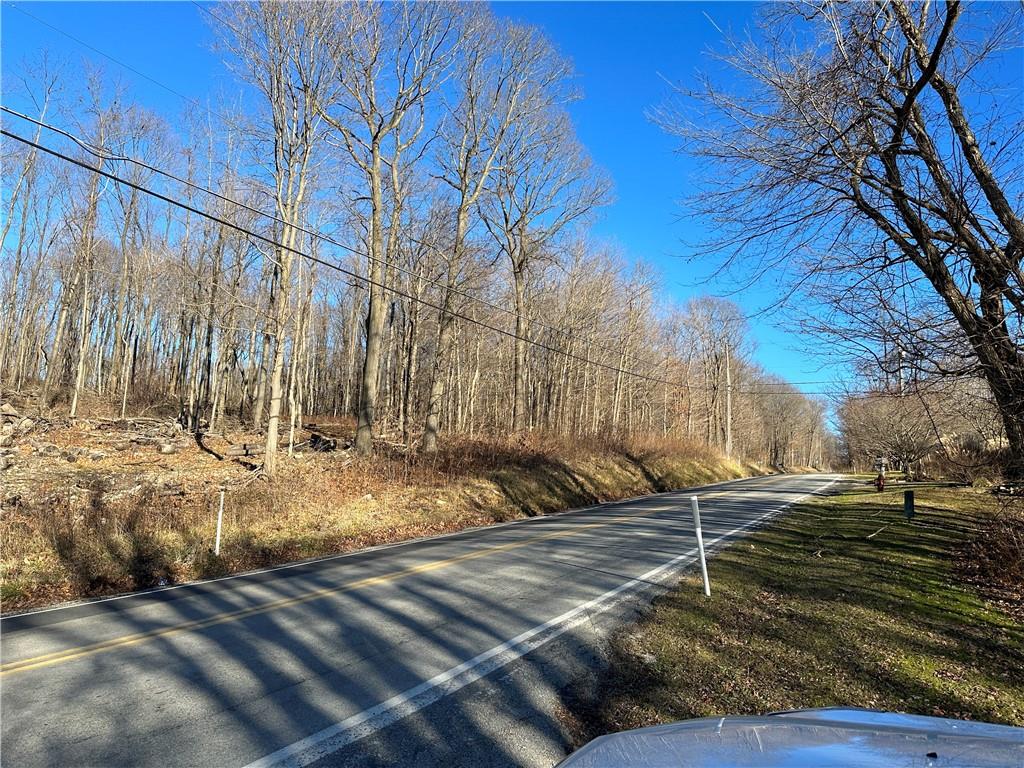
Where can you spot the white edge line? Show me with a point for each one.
(362, 724)
(376, 548)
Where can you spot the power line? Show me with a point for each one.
(568, 333)
(103, 154)
(85, 145)
(94, 49)
(355, 276)
(318, 260)
(453, 289)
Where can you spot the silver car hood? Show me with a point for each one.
(815, 738)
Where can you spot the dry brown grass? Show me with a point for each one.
(138, 519)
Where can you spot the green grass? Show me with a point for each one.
(842, 602)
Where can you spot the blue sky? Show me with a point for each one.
(622, 51)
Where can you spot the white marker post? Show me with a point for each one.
(700, 546)
(220, 520)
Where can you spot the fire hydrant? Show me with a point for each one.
(880, 482)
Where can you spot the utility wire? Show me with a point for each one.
(568, 333)
(94, 49)
(329, 264)
(90, 148)
(103, 154)
(369, 281)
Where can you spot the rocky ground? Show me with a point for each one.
(41, 456)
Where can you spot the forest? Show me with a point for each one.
(387, 218)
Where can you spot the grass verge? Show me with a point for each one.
(843, 602)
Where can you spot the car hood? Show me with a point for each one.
(810, 737)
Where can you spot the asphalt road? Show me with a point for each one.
(413, 653)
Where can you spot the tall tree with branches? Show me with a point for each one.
(505, 76)
(283, 50)
(860, 145)
(545, 182)
(391, 57)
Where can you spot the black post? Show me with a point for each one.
(908, 504)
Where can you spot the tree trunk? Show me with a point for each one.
(433, 420)
(281, 305)
(375, 314)
(519, 366)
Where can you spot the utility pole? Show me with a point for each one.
(728, 401)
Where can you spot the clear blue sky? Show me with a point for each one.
(622, 52)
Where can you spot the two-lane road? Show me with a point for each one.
(297, 664)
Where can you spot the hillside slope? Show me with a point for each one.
(97, 507)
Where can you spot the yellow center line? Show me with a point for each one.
(70, 654)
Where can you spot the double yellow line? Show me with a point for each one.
(71, 654)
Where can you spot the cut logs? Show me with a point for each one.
(244, 449)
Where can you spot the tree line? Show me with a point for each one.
(389, 220)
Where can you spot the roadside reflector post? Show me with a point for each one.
(908, 504)
(220, 520)
(700, 546)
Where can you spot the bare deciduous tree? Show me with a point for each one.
(545, 181)
(442, 130)
(390, 58)
(506, 75)
(283, 50)
(861, 143)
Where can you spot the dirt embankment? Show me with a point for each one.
(102, 506)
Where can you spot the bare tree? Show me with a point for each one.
(545, 181)
(41, 85)
(139, 304)
(860, 143)
(283, 50)
(390, 58)
(899, 429)
(86, 226)
(719, 335)
(506, 74)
